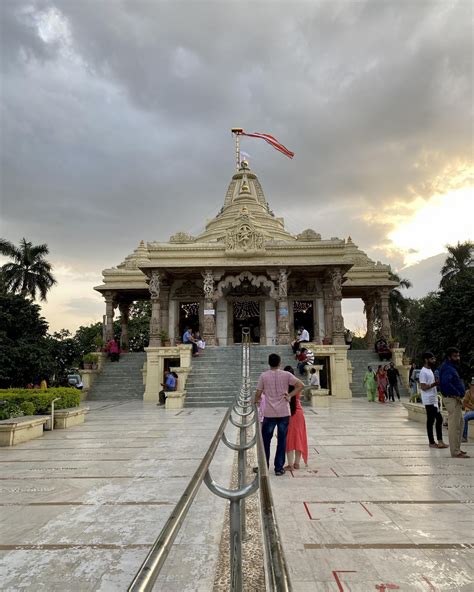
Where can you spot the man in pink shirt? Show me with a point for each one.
(274, 384)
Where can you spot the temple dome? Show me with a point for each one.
(245, 193)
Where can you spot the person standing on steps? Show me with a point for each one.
(452, 389)
(274, 384)
(429, 398)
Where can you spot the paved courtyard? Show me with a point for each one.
(375, 510)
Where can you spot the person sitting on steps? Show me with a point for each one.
(168, 385)
(188, 339)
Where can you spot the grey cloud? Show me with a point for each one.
(124, 134)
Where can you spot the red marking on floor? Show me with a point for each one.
(368, 512)
(385, 587)
(334, 472)
(338, 581)
(432, 588)
(305, 504)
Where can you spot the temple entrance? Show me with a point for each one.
(188, 316)
(303, 314)
(246, 314)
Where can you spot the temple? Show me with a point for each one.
(246, 269)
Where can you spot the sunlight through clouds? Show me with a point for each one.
(444, 219)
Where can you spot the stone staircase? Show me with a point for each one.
(121, 380)
(360, 359)
(216, 375)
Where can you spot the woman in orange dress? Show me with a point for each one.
(296, 439)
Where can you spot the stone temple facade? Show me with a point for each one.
(246, 269)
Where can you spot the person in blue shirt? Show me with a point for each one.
(189, 339)
(452, 388)
(168, 385)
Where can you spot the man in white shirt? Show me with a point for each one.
(429, 397)
(302, 337)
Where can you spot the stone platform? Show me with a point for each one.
(375, 510)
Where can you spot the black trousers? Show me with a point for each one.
(433, 415)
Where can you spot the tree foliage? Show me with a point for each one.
(28, 273)
(459, 260)
(24, 353)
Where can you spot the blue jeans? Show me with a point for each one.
(467, 417)
(268, 427)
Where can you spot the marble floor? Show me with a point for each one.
(80, 508)
(375, 509)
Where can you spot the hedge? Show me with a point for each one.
(36, 402)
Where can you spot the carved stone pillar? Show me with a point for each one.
(124, 307)
(328, 311)
(209, 328)
(283, 326)
(369, 302)
(164, 306)
(386, 330)
(155, 321)
(109, 315)
(337, 319)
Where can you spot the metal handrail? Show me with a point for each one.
(275, 564)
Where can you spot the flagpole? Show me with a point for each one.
(237, 131)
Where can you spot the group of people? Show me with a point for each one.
(384, 382)
(194, 339)
(454, 397)
(278, 397)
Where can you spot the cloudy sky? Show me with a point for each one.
(116, 115)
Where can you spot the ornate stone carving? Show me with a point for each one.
(338, 323)
(255, 280)
(282, 284)
(154, 285)
(308, 235)
(336, 281)
(182, 237)
(208, 284)
(244, 239)
(188, 289)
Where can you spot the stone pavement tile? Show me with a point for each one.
(440, 570)
(50, 570)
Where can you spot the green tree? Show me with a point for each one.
(88, 338)
(24, 352)
(139, 325)
(397, 302)
(459, 260)
(28, 273)
(446, 319)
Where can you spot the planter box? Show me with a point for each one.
(21, 429)
(416, 412)
(65, 418)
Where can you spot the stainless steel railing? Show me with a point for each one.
(277, 578)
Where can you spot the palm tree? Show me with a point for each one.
(28, 272)
(459, 260)
(397, 303)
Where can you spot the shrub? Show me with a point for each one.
(90, 358)
(28, 408)
(38, 402)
